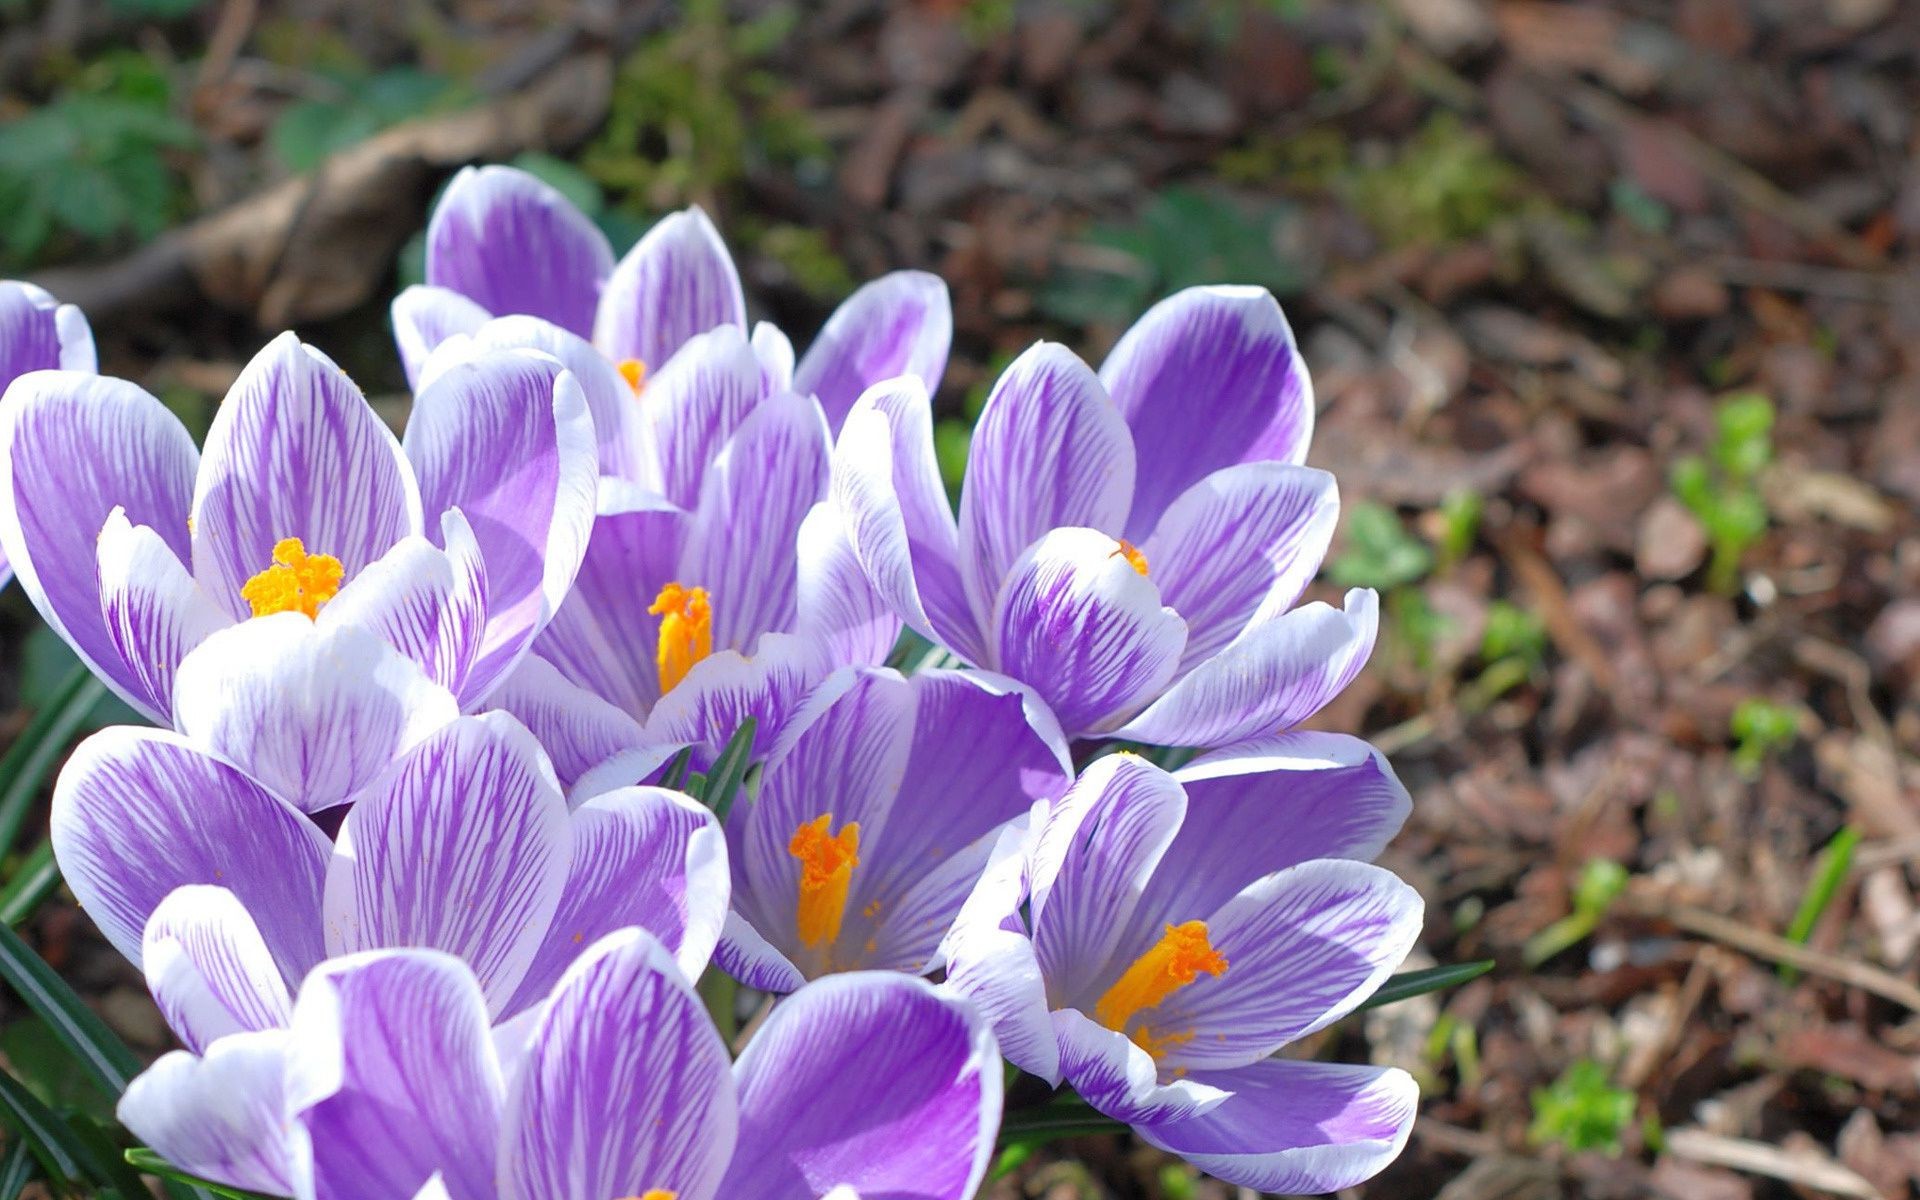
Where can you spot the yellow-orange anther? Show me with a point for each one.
(686, 632)
(827, 861)
(654, 1194)
(296, 582)
(1132, 554)
(1181, 955)
(634, 372)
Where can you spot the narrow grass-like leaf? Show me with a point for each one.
(61, 1154)
(729, 770)
(147, 1162)
(16, 1168)
(104, 1055)
(34, 753)
(1408, 984)
(1829, 872)
(676, 773)
(30, 884)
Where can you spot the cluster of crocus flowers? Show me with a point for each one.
(407, 868)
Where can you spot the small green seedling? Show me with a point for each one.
(1760, 729)
(1581, 1110)
(1722, 489)
(1829, 872)
(1513, 632)
(1380, 551)
(1600, 884)
(1459, 526)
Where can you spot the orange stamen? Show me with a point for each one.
(296, 582)
(827, 861)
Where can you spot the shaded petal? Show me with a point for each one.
(222, 1117)
(1085, 629)
(872, 1081)
(1268, 680)
(1207, 378)
(723, 690)
(1095, 854)
(424, 317)
(512, 243)
(155, 612)
(1335, 796)
(1304, 947)
(645, 857)
(995, 968)
(1297, 1128)
(38, 333)
(576, 728)
(1049, 451)
(391, 1077)
(898, 324)
(610, 400)
(603, 638)
(140, 812)
(677, 281)
(754, 961)
(463, 848)
(429, 604)
(209, 969)
(692, 406)
(775, 352)
(506, 439)
(294, 452)
(313, 714)
(1120, 1079)
(73, 448)
(887, 489)
(835, 604)
(1240, 546)
(625, 1086)
(743, 544)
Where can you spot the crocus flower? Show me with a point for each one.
(1179, 930)
(135, 546)
(390, 1085)
(502, 242)
(874, 818)
(1131, 544)
(38, 333)
(464, 843)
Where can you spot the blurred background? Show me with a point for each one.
(1614, 322)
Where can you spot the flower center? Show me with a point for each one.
(1181, 955)
(686, 632)
(634, 372)
(655, 1194)
(827, 861)
(296, 582)
(1132, 554)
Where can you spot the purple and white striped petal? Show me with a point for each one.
(775, 352)
(676, 282)
(1082, 626)
(624, 1089)
(313, 714)
(424, 317)
(576, 728)
(1269, 679)
(754, 961)
(73, 448)
(222, 1117)
(1050, 451)
(155, 611)
(723, 690)
(873, 1082)
(429, 603)
(1209, 377)
(1240, 546)
(1095, 854)
(742, 546)
(294, 452)
(392, 1077)
(1304, 947)
(140, 812)
(691, 407)
(645, 857)
(506, 439)
(887, 489)
(898, 324)
(38, 333)
(602, 637)
(513, 244)
(990, 959)
(835, 603)
(463, 848)
(1297, 1128)
(1122, 1080)
(209, 969)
